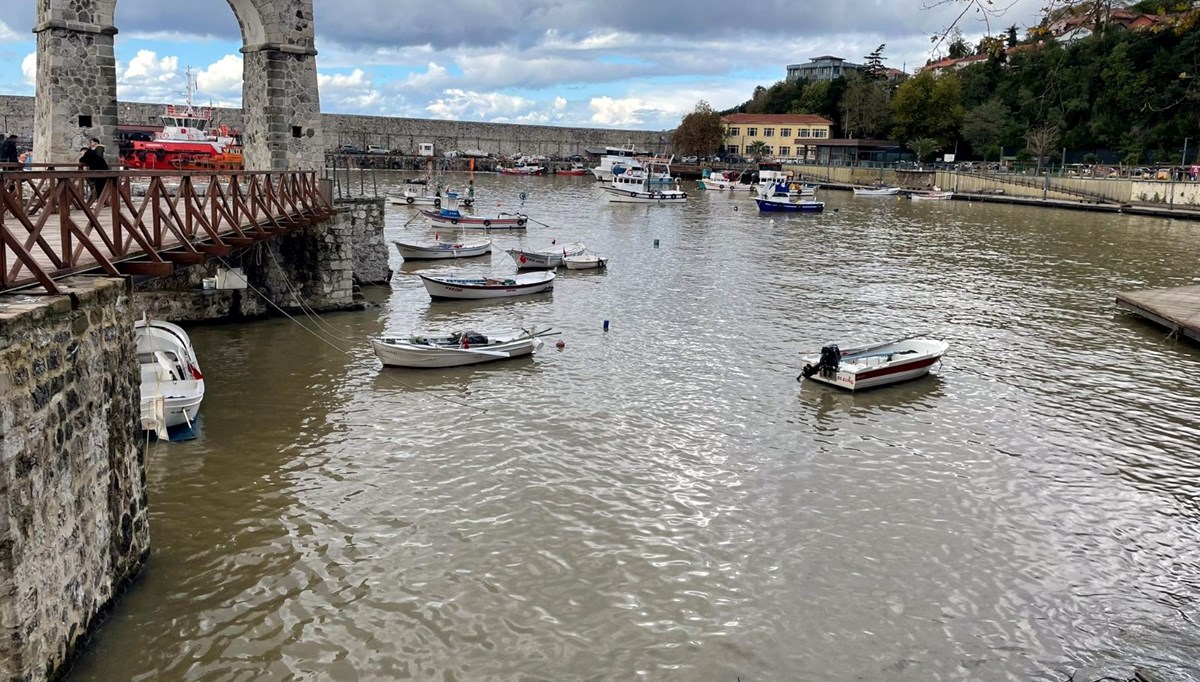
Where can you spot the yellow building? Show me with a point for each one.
(787, 136)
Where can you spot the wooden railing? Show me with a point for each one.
(58, 223)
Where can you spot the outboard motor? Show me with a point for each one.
(831, 357)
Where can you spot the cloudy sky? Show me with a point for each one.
(612, 63)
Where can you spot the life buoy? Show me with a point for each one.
(437, 202)
(454, 221)
(487, 223)
(409, 199)
(521, 222)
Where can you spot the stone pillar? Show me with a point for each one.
(365, 220)
(312, 268)
(73, 524)
(76, 79)
(281, 109)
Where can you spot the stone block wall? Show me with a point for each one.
(364, 218)
(73, 524)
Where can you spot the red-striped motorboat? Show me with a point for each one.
(875, 364)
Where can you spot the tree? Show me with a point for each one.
(984, 126)
(865, 107)
(958, 47)
(1011, 40)
(927, 106)
(924, 147)
(700, 133)
(1040, 140)
(757, 150)
(873, 64)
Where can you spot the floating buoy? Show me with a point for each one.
(606, 325)
(735, 208)
(656, 243)
(561, 344)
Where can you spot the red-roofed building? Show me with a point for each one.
(946, 65)
(787, 136)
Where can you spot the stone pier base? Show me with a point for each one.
(73, 524)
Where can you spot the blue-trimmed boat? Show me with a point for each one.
(783, 198)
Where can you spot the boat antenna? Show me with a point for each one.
(192, 86)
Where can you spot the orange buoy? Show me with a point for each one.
(561, 344)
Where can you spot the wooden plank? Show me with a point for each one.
(148, 268)
(1177, 309)
(185, 257)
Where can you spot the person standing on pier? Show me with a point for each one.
(94, 161)
(8, 150)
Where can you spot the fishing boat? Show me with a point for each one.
(522, 168)
(186, 141)
(545, 258)
(876, 364)
(727, 181)
(585, 261)
(457, 349)
(876, 191)
(645, 186)
(618, 159)
(575, 169)
(474, 288)
(786, 198)
(172, 386)
(934, 195)
(436, 250)
(450, 215)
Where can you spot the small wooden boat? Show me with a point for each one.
(545, 258)
(876, 191)
(872, 365)
(441, 249)
(418, 194)
(474, 288)
(585, 261)
(455, 218)
(172, 386)
(457, 349)
(931, 196)
(522, 168)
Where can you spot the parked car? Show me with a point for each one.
(690, 159)
(349, 149)
(376, 149)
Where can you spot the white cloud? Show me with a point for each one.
(7, 35)
(459, 104)
(222, 78)
(147, 67)
(629, 111)
(29, 68)
(434, 77)
(350, 92)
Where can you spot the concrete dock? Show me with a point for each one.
(1177, 309)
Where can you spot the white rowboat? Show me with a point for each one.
(546, 258)
(876, 191)
(438, 250)
(871, 365)
(472, 288)
(456, 350)
(585, 261)
(172, 386)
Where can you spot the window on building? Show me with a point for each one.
(804, 132)
(820, 132)
(735, 131)
(767, 150)
(785, 151)
(768, 132)
(751, 132)
(731, 148)
(785, 132)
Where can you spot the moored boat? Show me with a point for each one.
(172, 386)
(935, 195)
(436, 250)
(646, 186)
(575, 169)
(545, 258)
(786, 198)
(876, 191)
(456, 218)
(457, 349)
(522, 168)
(872, 365)
(472, 288)
(585, 261)
(185, 141)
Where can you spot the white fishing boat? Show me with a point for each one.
(786, 197)
(727, 181)
(545, 258)
(935, 195)
(646, 186)
(457, 349)
(435, 250)
(172, 386)
(876, 191)
(420, 194)
(876, 364)
(474, 288)
(585, 261)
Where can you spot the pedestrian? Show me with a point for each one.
(94, 161)
(97, 147)
(8, 150)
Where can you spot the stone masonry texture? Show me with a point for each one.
(73, 523)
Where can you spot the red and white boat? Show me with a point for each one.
(875, 364)
(575, 169)
(185, 142)
(522, 168)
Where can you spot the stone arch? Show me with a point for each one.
(77, 81)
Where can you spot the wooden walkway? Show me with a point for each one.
(1177, 309)
(142, 224)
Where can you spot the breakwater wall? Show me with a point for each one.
(507, 139)
(74, 526)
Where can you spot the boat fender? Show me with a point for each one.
(521, 222)
(409, 199)
(437, 202)
(487, 223)
(454, 221)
